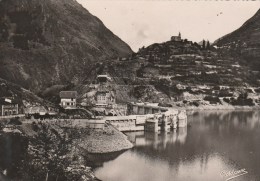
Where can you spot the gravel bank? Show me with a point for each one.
(105, 141)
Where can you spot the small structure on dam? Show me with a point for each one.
(145, 108)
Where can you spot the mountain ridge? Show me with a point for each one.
(244, 42)
(44, 43)
(250, 20)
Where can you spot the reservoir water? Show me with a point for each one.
(218, 146)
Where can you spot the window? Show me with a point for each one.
(68, 104)
(72, 99)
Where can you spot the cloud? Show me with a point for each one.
(141, 34)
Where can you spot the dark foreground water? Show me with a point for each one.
(218, 146)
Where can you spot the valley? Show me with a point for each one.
(71, 91)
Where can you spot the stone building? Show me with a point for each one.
(8, 107)
(104, 97)
(68, 99)
(176, 38)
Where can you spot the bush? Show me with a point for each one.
(216, 88)
(196, 104)
(257, 90)
(227, 100)
(243, 96)
(212, 99)
(15, 121)
(1, 126)
(36, 116)
(225, 93)
(35, 127)
(243, 102)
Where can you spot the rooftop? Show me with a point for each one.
(68, 94)
(7, 101)
(102, 76)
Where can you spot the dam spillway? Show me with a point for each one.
(165, 121)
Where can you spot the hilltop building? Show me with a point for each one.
(176, 38)
(8, 107)
(68, 99)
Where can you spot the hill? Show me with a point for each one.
(175, 71)
(45, 43)
(185, 62)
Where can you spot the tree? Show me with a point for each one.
(203, 44)
(208, 45)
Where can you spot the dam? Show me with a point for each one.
(162, 121)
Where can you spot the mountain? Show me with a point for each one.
(52, 42)
(244, 42)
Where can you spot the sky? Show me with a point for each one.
(143, 22)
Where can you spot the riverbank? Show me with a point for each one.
(223, 106)
(220, 107)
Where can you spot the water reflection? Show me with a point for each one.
(216, 141)
(158, 141)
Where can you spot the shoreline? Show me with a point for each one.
(70, 147)
(220, 107)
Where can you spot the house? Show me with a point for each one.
(8, 107)
(31, 110)
(176, 38)
(68, 99)
(104, 97)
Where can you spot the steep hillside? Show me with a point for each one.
(177, 70)
(187, 63)
(44, 43)
(244, 42)
(22, 96)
